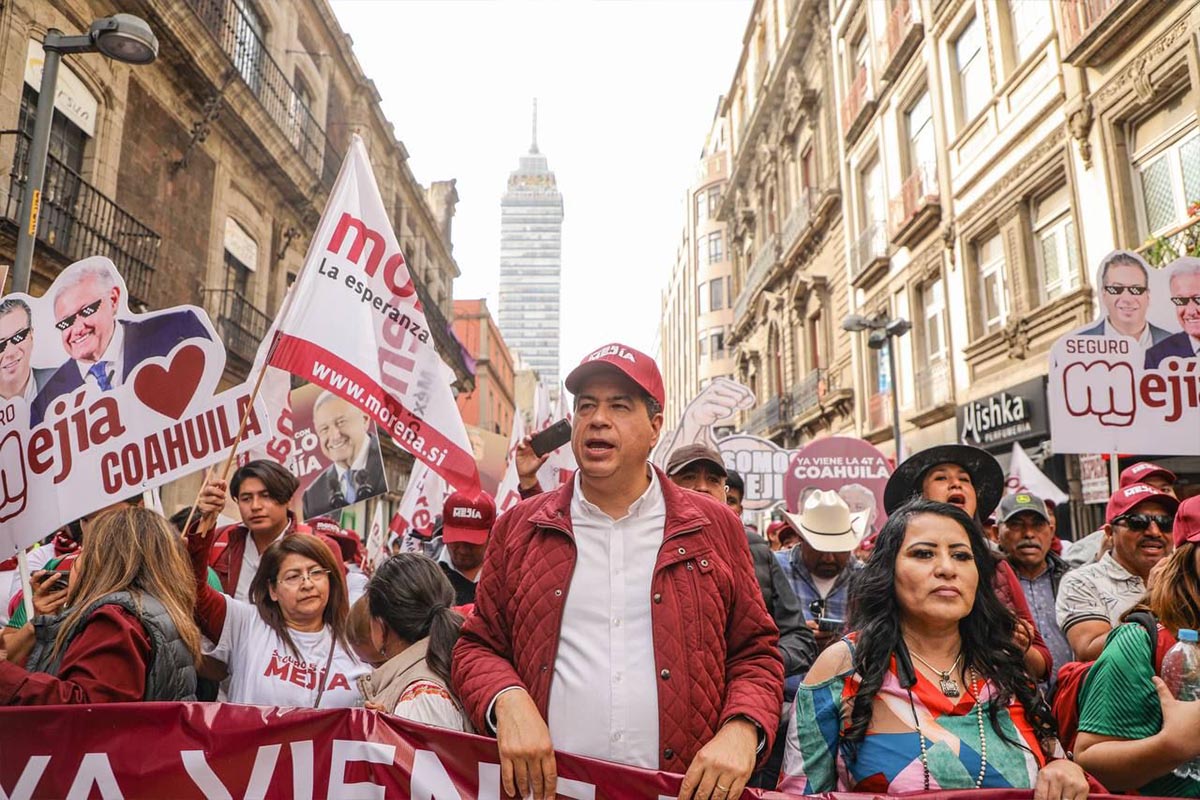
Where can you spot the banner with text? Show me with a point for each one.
(853, 468)
(1129, 382)
(213, 750)
(98, 403)
(356, 327)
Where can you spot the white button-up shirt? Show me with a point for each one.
(604, 694)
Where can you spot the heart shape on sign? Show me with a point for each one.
(169, 389)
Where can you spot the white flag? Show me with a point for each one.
(561, 463)
(423, 498)
(508, 492)
(377, 548)
(275, 391)
(356, 327)
(1023, 475)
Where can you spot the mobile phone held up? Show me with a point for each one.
(551, 439)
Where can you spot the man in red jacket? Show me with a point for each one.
(618, 616)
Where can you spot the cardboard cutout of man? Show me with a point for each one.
(17, 376)
(357, 469)
(1125, 294)
(1185, 298)
(102, 349)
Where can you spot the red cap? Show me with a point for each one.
(634, 364)
(1187, 521)
(1124, 499)
(346, 545)
(468, 517)
(1142, 470)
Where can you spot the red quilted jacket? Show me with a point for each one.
(715, 646)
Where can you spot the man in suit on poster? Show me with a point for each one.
(1185, 297)
(357, 469)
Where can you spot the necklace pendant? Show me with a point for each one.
(949, 686)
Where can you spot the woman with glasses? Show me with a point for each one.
(288, 645)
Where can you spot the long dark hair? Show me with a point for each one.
(987, 631)
(411, 595)
(337, 607)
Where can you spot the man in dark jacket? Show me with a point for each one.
(1025, 537)
(616, 616)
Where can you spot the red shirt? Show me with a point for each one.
(106, 663)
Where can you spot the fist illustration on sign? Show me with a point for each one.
(12, 476)
(719, 400)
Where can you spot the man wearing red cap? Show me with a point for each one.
(1092, 598)
(618, 616)
(1090, 548)
(467, 519)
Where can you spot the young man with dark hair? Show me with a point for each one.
(642, 616)
(262, 490)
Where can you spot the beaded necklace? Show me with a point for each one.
(982, 734)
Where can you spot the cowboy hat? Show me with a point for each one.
(826, 523)
(985, 472)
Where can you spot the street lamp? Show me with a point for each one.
(883, 331)
(121, 37)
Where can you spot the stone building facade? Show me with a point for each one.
(202, 174)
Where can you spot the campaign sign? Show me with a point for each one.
(1129, 382)
(336, 454)
(98, 403)
(853, 468)
(763, 466)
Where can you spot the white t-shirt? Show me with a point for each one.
(263, 671)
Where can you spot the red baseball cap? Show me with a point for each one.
(468, 517)
(1187, 521)
(633, 364)
(1142, 470)
(1127, 497)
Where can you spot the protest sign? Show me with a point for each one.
(705, 418)
(853, 468)
(1094, 481)
(763, 466)
(98, 403)
(214, 750)
(490, 451)
(355, 326)
(1129, 382)
(335, 453)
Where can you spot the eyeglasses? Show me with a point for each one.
(1113, 289)
(16, 338)
(85, 312)
(294, 579)
(1141, 522)
(1183, 301)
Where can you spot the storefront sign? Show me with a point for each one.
(73, 100)
(1012, 415)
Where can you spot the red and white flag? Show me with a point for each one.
(356, 327)
(422, 502)
(560, 466)
(377, 539)
(508, 492)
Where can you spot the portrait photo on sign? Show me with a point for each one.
(98, 402)
(1127, 381)
(336, 458)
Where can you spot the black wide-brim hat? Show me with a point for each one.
(986, 476)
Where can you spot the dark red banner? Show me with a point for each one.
(203, 750)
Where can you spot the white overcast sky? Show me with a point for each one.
(626, 93)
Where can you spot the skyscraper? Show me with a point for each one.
(531, 214)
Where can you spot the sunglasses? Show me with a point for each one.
(1183, 301)
(85, 312)
(16, 338)
(1136, 291)
(1141, 522)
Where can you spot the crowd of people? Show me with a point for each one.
(631, 615)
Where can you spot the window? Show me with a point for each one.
(60, 188)
(248, 36)
(1030, 26)
(703, 346)
(861, 55)
(1054, 232)
(714, 201)
(974, 83)
(874, 202)
(919, 121)
(701, 300)
(808, 170)
(717, 298)
(301, 116)
(1168, 175)
(718, 344)
(993, 295)
(714, 247)
(933, 305)
(701, 206)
